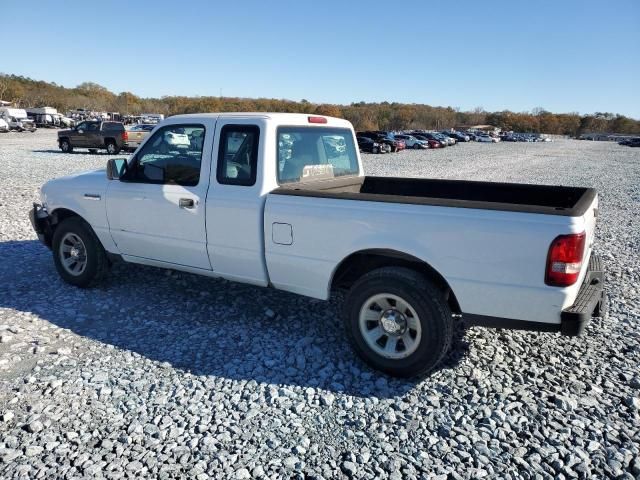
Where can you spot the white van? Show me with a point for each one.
(17, 119)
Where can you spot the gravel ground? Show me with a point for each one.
(163, 374)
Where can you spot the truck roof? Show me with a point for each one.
(283, 118)
(42, 110)
(14, 112)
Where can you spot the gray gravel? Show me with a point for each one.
(163, 374)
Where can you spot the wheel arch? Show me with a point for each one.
(60, 214)
(361, 262)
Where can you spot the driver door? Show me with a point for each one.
(77, 135)
(92, 135)
(157, 210)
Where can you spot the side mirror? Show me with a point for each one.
(116, 168)
(80, 131)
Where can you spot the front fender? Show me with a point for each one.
(83, 195)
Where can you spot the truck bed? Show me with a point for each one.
(512, 197)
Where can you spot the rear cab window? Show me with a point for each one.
(238, 155)
(315, 153)
(112, 126)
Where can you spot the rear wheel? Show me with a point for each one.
(416, 146)
(398, 321)
(374, 150)
(65, 146)
(78, 255)
(112, 148)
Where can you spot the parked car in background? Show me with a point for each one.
(135, 134)
(486, 138)
(93, 135)
(153, 118)
(473, 136)
(412, 142)
(630, 142)
(459, 137)
(66, 121)
(4, 126)
(450, 140)
(401, 144)
(417, 142)
(434, 142)
(384, 139)
(365, 144)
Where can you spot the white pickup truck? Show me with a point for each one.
(281, 200)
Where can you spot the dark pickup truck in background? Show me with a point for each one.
(93, 135)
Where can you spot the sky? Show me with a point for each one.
(563, 56)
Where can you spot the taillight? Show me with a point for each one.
(564, 261)
(317, 119)
(125, 136)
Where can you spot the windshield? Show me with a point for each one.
(310, 153)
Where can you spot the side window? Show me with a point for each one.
(93, 127)
(171, 157)
(82, 126)
(238, 155)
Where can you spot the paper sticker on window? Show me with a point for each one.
(317, 171)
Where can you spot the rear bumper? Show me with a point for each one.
(590, 302)
(41, 222)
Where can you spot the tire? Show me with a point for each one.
(416, 146)
(64, 241)
(374, 150)
(391, 289)
(65, 146)
(112, 148)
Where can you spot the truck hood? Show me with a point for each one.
(92, 182)
(64, 133)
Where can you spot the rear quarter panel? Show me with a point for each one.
(494, 261)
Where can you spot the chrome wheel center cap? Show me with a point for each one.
(74, 252)
(393, 322)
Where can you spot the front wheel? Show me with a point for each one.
(374, 150)
(78, 255)
(65, 146)
(398, 321)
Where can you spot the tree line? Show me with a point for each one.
(26, 92)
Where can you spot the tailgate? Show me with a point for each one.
(589, 218)
(136, 137)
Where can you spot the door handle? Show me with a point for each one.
(186, 203)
